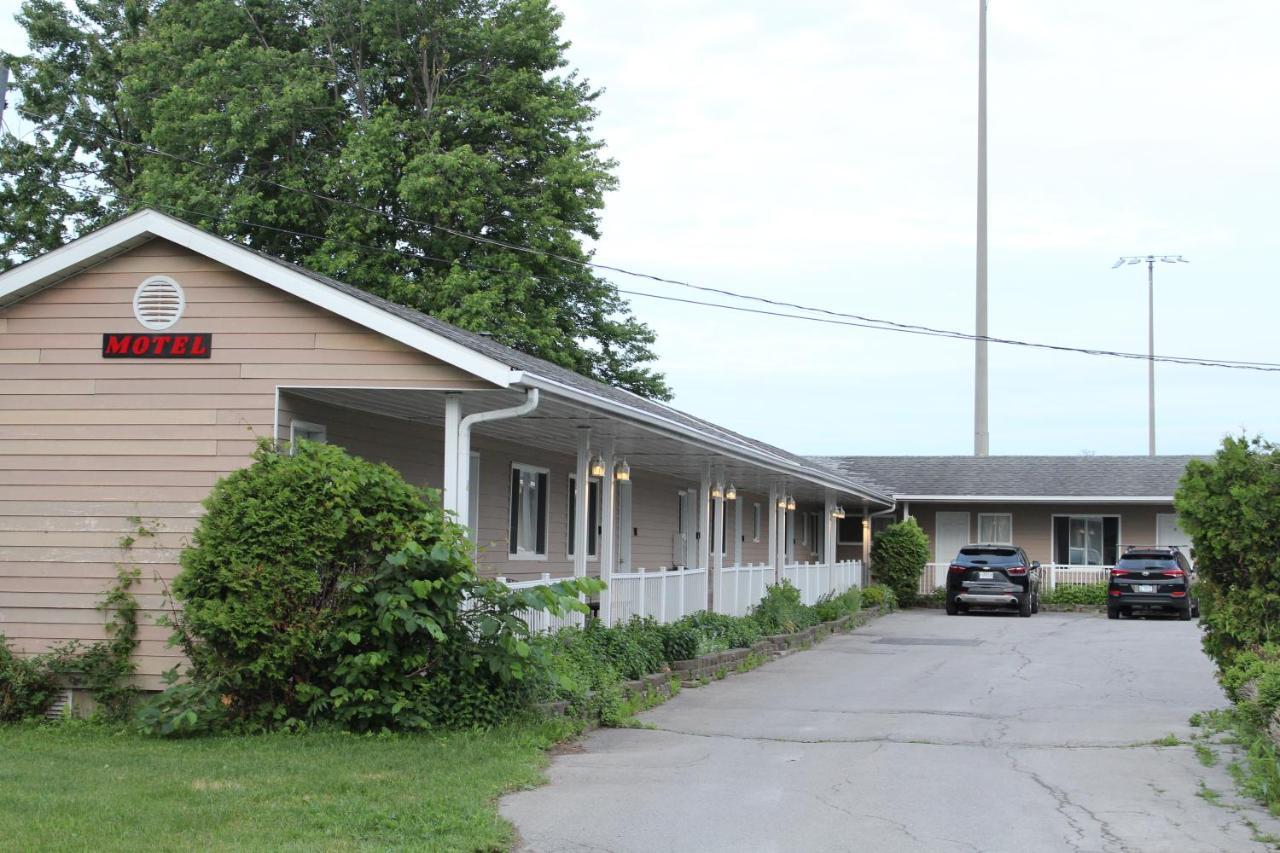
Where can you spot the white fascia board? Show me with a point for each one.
(1078, 499)
(95, 247)
(714, 443)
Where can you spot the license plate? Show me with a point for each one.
(986, 576)
(1146, 587)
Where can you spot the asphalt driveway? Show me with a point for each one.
(918, 732)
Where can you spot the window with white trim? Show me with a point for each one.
(849, 530)
(527, 527)
(593, 515)
(755, 522)
(1086, 540)
(305, 431)
(995, 528)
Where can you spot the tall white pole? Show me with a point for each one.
(1151, 357)
(981, 431)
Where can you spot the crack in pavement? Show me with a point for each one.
(1063, 803)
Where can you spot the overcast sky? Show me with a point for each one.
(825, 154)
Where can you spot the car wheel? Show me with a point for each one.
(1113, 612)
(1185, 613)
(1035, 603)
(1195, 610)
(952, 606)
(1024, 605)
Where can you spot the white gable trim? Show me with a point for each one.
(1076, 499)
(133, 230)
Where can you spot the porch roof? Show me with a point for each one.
(1068, 479)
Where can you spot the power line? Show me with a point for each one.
(1266, 367)
(871, 322)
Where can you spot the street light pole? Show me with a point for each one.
(981, 429)
(1150, 261)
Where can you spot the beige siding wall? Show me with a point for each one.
(86, 443)
(1033, 523)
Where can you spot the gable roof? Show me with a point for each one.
(1132, 479)
(501, 365)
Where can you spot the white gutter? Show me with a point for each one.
(665, 424)
(1108, 499)
(463, 460)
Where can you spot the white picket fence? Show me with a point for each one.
(540, 621)
(666, 594)
(1052, 576)
(815, 580)
(741, 587)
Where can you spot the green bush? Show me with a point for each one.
(681, 641)
(725, 632)
(879, 596)
(1230, 506)
(781, 612)
(898, 557)
(832, 607)
(322, 588)
(28, 686)
(1094, 593)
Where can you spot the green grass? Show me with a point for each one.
(78, 787)
(1206, 755)
(1167, 740)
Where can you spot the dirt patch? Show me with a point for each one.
(569, 747)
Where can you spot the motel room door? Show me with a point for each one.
(951, 533)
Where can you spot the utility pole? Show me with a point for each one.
(981, 430)
(1150, 261)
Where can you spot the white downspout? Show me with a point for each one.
(463, 460)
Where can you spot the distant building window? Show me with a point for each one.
(304, 431)
(995, 527)
(528, 519)
(849, 530)
(755, 522)
(1086, 540)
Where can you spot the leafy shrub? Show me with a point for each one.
(681, 641)
(323, 588)
(28, 686)
(1094, 593)
(1231, 508)
(781, 612)
(879, 596)
(831, 607)
(898, 557)
(725, 632)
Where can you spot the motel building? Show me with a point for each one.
(143, 361)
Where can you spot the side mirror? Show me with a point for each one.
(1035, 564)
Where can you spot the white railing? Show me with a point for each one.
(741, 587)
(665, 595)
(1052, 576)
(540, 621)
(814, 580)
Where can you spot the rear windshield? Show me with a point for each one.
(1147, 562)
(989, 557)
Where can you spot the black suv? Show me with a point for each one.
(1150, 577)
(993, 576)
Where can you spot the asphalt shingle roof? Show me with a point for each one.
(1032, 476)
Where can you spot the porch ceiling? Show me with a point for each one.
(554, 425)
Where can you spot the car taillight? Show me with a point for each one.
(956, 567)
(1115, 592)
(1174, 573)
(1118, 573)
(1017, 570)
(1178, 593)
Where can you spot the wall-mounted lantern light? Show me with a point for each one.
(731, 494)
(717, 491)
(623, 472)
(791, 502)
(597, 466)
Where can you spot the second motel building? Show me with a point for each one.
(143, 361)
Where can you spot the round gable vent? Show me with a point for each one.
(158, 302)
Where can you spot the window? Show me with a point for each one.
(849, 530)
(302, 430)
(593, 515)
(528, 521)
(810, 534)
(717, 536)
(995, 528)
(1086, 540)
(755, 522)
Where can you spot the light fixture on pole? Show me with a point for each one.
(717, 491)
(782, 502)
(1150, 261)
(597, 466)
(791, 502)
(731, 494)
(838, 512)
(623, 472)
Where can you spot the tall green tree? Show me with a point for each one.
(371, 140)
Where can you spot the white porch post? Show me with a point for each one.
(704, 520)
(737, 532)
(717, 554)
(789, 525)
(773, 530)
(583, 491)
(780, 555)
(829, 528)
(452, 420)
(608, 525)
(906, 510)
